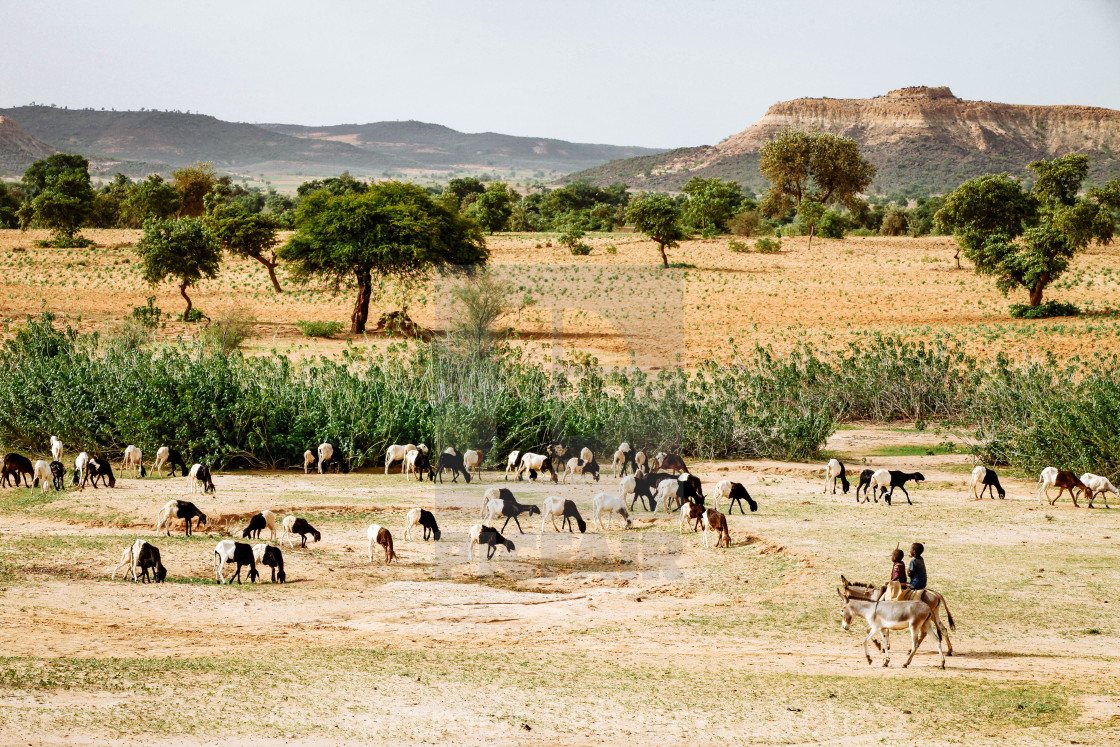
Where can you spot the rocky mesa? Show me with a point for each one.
(921, 138)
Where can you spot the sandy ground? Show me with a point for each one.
(586, 639)
(609, 304)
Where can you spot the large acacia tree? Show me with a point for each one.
(184, 250)
(1026, 238)
(805, 167)
(391, 230)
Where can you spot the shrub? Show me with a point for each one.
(895, 223)
(1043, 311)
(228, 332)
(832, 225)
(768, 246)
(319, 329)
(572, 238)
(148, 316)
(194, 315)
(735, 245)
(64, 242)
(746, 223)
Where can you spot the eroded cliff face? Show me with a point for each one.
(18, 150)
(921, 137)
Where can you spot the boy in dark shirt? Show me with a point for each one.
(898, 568)
(917, 566)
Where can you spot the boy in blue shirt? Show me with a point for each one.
(917, 566)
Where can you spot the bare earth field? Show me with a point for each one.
(607, 304)
(602, 638)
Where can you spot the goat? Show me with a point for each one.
(985, 479)
(58, 475)
(396, 453)
(325, 452)
(642, 485)
(417, 461)
(472, 459)
(883, 479)
(170, 457)
(508, 507)
(1098, 486)
(586, 454)
(865, 485)
(623, 456)
(735, 493)
(176, 509)
(143, 556)
(229, 551)
(583, 466)
(693, 513)
(1063, 480)
(270, 555)
(42, 477)
(481, 534)
(535, 463)
(79, 468)
(670, 463)
(605, 503)
(640, 460)
(684, 488)
(16, 465)
(200, 473)
(258, 523)
(555, 506)
(99, 468)
(717, 522)
(133, 458)
(56, 449)
(667, 491)
(293, 526)
(512, 462)
(452, 460)
(310, 460)
(382, 536)
(833, 472)
(421, 517)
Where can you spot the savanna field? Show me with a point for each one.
(596, 638)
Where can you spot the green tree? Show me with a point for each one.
(659, 218)
(817, 166)
(458, 191)
(193, 184)
(343, 184)
(151, 198)
(10, 199)
(982, 207)
(484, 299)
(810, 212)
(246, 234)
(1027, 239)
(184, 250)
(63, 197)
(711, 203)
(493, 208)
(391, 230)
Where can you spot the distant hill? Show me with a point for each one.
(919, 138)
(178, 139)
(18, 150)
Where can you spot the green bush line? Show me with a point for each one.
(233, 411)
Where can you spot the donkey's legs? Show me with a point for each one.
(935, 633)
(917, 635)
(886, 647)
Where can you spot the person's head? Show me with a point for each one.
(917, 549)
(896, 556)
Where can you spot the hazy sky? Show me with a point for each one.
(641, 72)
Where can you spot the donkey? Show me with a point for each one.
(883, 617)
(934, 599)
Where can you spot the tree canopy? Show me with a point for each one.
(659, 218)
(245, 234)
(63, 197)
(184, 250)
(817, 166)
(1026, 238)
(193, 184)
(492, 208)
(151, 198)
(711, 203)
(393, 229)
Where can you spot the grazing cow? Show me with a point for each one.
(176, 509)
(717, 522)
(200, 475)
(421, 517)
(239, 553)
(269, 555)
(294, 525)
(480, 535)
(555, 506)
(381, 536)
(736, 493)
(140, 555)
(1063, 480)
(833, 472)
(16, 465)
(986, 479)
(452, 460)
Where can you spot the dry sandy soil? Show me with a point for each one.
(597, 638)
(609, 304)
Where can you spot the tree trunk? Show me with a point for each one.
(183, 293)
(957, 256)
(361, 306)
(270, 265)
(664, 257)
(812, 230)
(1039, 287)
